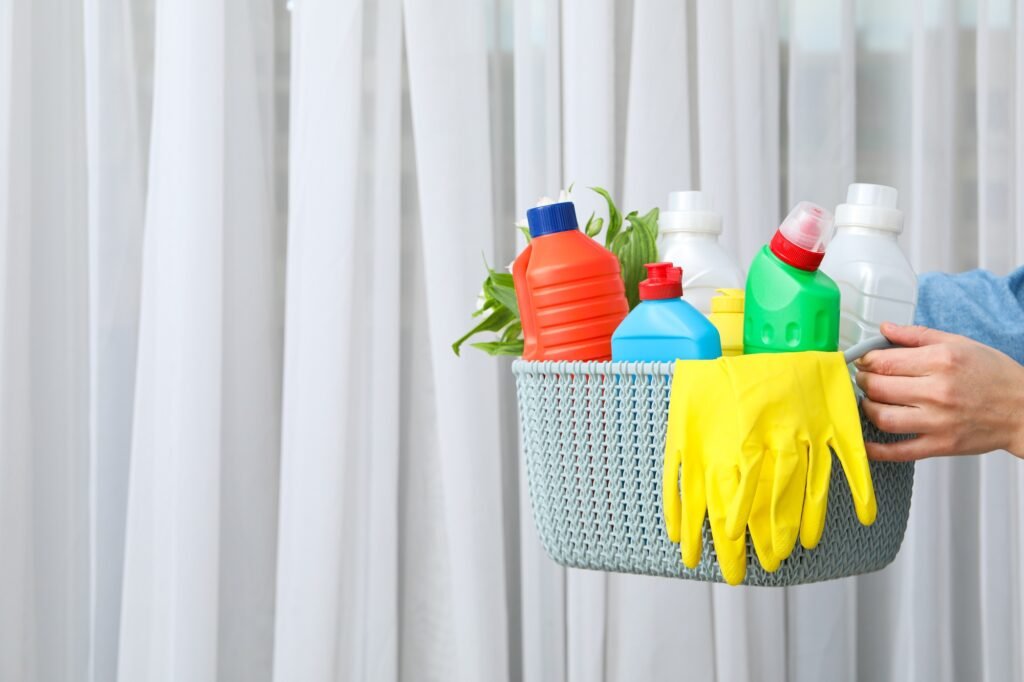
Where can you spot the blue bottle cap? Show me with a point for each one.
(560, 217)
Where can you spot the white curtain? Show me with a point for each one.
(236, 243)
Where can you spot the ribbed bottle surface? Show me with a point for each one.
(575, 298)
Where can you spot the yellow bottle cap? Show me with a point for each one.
(728, 301)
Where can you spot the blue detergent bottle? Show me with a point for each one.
(664, 327)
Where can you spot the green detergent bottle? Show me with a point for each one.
(790, 304)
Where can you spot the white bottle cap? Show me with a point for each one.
(871, 206)
(690, 212)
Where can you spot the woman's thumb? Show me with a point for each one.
(912, 336)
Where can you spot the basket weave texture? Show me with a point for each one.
(594, 437)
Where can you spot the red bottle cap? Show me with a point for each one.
(800, 240)
(663, 281)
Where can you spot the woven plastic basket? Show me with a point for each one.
(594, 437)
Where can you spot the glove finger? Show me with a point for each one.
(760, 518)
(847, 439)
(849, 448)
(670, 503)
(743, 479)
(790, 478)
(731, 553)
(694, 506)
(812, 523)
(675, 431)
(819, 473)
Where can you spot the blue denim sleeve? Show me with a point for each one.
(976, 304)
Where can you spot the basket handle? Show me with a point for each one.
(861, 349)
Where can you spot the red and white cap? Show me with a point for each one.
(663, 281)
(800, 240)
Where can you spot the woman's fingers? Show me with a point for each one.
(906, 450)
(896, 418)
(914, 335)
(907, 362)
(941, 354)
(896, 390)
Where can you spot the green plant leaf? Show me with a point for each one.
(648, 222)
(526, 232)
(501, 287)
(492, 323)
(500, 347)
(489, 304)
(634, 268)
(513, 332)
(500, 278)
(644, 235)
(614, 217)
(619, 246)
(594, 227)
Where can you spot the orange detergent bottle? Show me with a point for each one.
(569, 289)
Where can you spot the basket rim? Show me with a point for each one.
(591, 367)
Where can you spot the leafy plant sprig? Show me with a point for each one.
(500, 312)
(634, 245)
(633, 240)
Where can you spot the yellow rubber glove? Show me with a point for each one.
(701, 445)
(750, 436)
(792, 408)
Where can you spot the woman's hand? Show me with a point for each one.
(961, 397)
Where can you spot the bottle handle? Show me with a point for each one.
(861, 349)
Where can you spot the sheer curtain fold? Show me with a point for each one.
(384, 213)
(169, 617)
(318, 622)
(116, 198)
(44, 344)
(998, 245)
(18, 641)
(252, 316)
(658, 156)
(59, 352)
(448, 87)
(936, 214)
(538, 164)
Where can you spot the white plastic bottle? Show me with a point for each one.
(876, 282)
(688, 238)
